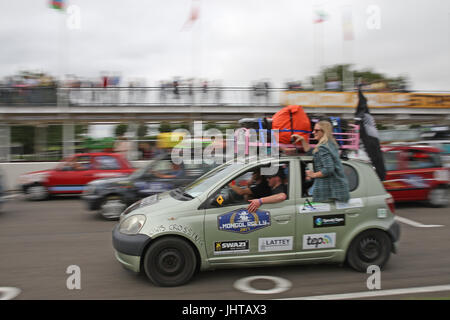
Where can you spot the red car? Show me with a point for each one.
(416, 173)
(72, 174)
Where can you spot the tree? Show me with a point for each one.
(120, 129)
(142, 130)
(367, 76)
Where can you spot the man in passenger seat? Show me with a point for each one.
(278, 190)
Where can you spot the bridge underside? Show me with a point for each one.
(152, 113)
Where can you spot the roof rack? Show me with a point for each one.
(348, 140)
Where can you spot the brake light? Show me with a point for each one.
(391, 204)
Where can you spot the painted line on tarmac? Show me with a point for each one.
(9, 293)
(375, 293)
(417, 224)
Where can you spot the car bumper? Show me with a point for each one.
(129, 248)
(93, 202)
(132, 263)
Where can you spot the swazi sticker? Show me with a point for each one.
(242, 221)
(226, 247)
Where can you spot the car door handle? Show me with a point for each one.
(282, 218)
(354, 212)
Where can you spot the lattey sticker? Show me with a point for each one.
(275, 244)
(242, 221)
(227, 247)
(335, 220)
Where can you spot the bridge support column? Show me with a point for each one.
(5, 142)
(40, 141)
(68, 138)
(131, 134)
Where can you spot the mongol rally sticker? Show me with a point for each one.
(242, 221)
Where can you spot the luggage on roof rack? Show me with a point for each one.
(277, 131)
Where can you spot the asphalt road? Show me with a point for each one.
(40, 240)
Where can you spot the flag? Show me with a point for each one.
(57, 4)
(193, 16)
(347, 24)
(369, 135)
(321, 16)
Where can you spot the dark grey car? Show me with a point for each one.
(112, 196)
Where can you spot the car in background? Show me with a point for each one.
(111, 196)
(73, 173)
(416, 173)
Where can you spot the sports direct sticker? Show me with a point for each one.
(314, 207)
(275, 244)
(242, 221)
(319, 241)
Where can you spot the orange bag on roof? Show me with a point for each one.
(291, 120)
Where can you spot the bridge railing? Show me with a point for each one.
(134, 96)
(214, 96)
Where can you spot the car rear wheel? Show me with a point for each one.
(36, 192)
(112, 207)
(371, 247)
(170, 262)
(438, 197)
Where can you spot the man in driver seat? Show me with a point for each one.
(260, 188)
(278, 191)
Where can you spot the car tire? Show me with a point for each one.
(371, 247)
(170, 262)
(36, 192)
(438, 197)
(112, 207)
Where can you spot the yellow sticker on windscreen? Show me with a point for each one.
(219, 200)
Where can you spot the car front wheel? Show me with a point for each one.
(371, 247)
(112, 207)
(438, 197)
(170, 262)
(36, 192)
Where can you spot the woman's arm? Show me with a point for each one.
(328, 165)
(305, 144)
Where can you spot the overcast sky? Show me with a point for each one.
(237, 41)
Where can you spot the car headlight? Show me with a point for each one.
(132, 225)
(89, 189)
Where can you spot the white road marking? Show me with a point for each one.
(281, 285)
(417, 224)
(9, 293)
(375, 293)
(11, 196)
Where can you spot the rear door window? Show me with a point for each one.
(107, 163)
(423, 160)
(391, 161)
